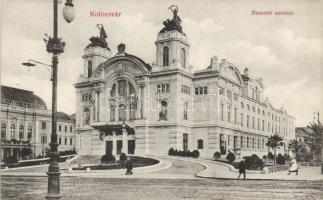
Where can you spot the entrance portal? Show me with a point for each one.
(108, 147)
(131, 146)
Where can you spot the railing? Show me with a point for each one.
(277, 168)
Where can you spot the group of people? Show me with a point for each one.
(242, 168)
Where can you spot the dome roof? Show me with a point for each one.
(20, 97)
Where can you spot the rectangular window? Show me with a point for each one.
(241, 119)
(247, 142)
(258, 124)
(65, 141)
(71, 129)
(263, 125)
(71, 141)
(163, 88)
(59, 128)
(201, 90)
(268, 127)
(221, 111)
(241, 142)
(229, 113)
(253, 122)
(185, 110)
(229, 94)
(248, 121)
(185, 141)
(196, 91)
(205, 90)
(221, 91)
(65, 128)
(158, 88)
(235, 141)
(59, 140)
(235, 115)
(229, 138)
(43, 125)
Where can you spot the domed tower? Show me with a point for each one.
(172, 45)
(95, 53)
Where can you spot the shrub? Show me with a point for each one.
(253, 162)
(264, 157)
(230, 157)
(270, 156)
(280, 159)
(108, 158)
(195, 154)
(217, 155)
(171, 152)
(176, 153)
(67, 152)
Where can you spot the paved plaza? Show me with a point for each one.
(172, 178)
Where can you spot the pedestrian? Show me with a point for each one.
(293, 167)
(129, 166)
(242, 168)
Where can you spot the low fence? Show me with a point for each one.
(39, 161)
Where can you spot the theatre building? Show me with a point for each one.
(127, 105)
(26, 125)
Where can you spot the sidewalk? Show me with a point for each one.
(140, 172)
(222, 171)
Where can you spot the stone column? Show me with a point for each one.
(114, 143)
(124, 141)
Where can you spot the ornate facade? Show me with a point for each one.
(26, 124)
(127, 105)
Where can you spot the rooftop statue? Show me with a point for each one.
(175, 23)
(99, 41)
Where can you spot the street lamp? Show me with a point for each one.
(55, 46)
(33, 63)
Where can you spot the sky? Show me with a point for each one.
(286, 51)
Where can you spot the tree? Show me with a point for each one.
(314, 139)
(274, 142)
(294, 146)
(231, 157)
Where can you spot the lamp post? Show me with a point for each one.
(55, 46)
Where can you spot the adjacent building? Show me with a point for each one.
(26, 124)
(124, 104)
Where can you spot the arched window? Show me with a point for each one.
(3, 131)
(21, 132)
(86, 116)
(163, 111)
(29, 132)
(12, 131)
(112, 113)
(113, 90)
(200, 144)
(183, 58)
(122, 112)
(165, 56)
(89, 69)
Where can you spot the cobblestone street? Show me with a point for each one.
(31, 188)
